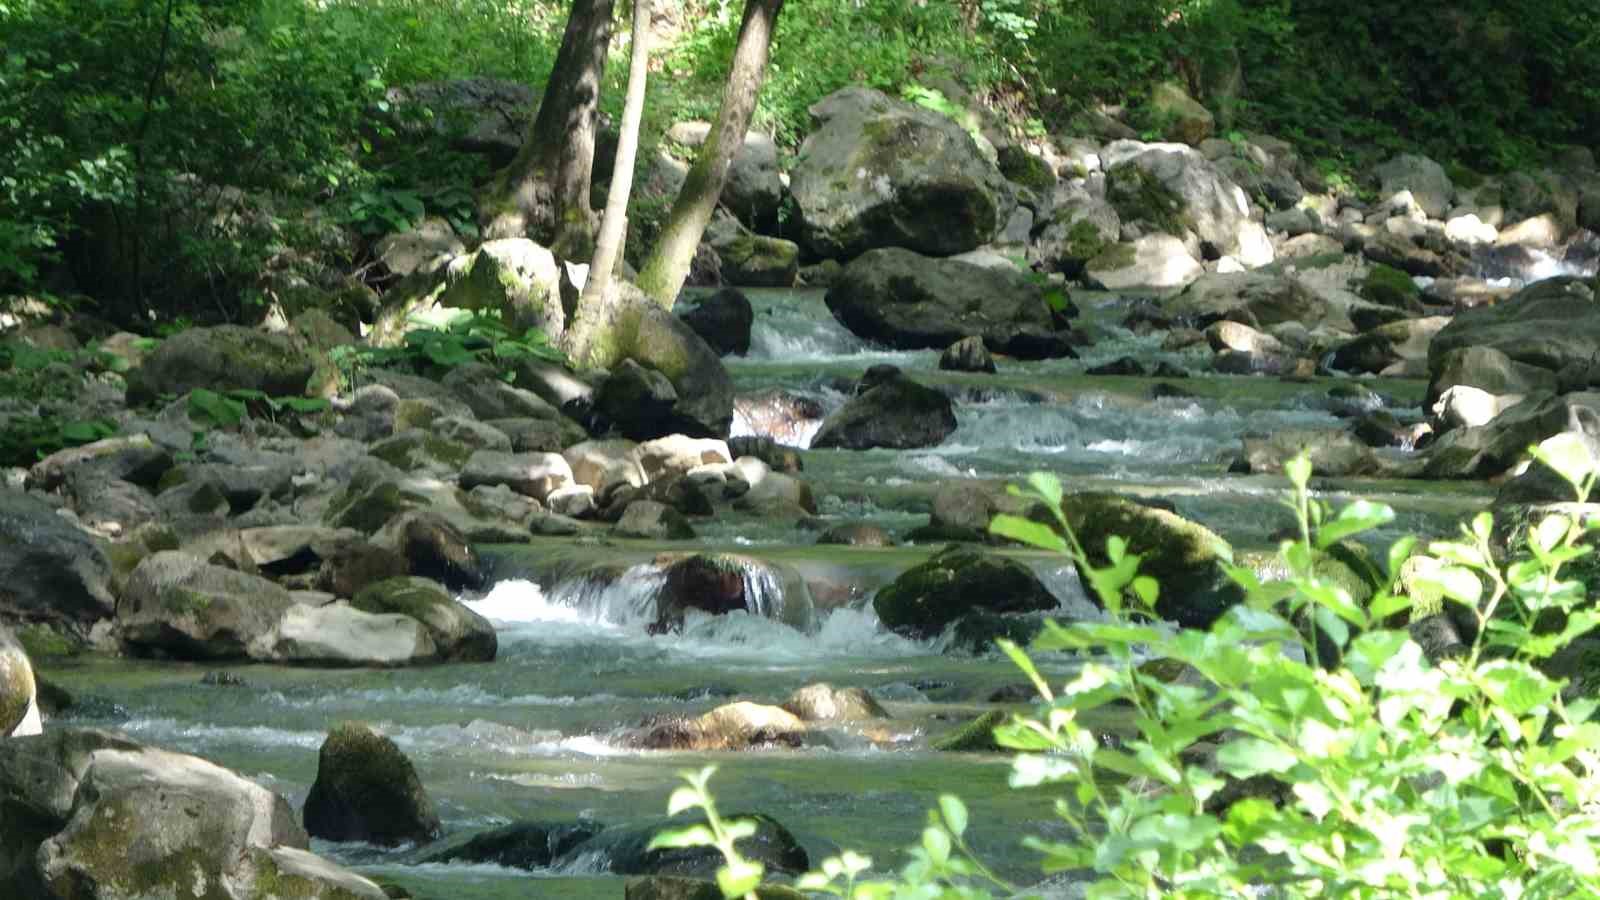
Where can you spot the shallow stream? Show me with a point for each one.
(533, 735)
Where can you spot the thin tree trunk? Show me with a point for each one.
(597, 288)
(667, 267)
(544, 193)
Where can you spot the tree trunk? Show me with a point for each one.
(666, 268)
(597, 288)
(544, 193)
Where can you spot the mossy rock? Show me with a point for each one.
(418, 449)
(954, 582)
(1024, 168)
(220, 358)
(369, 508)
(459, 633)
(976, 736)
(1182, 556)
(367, 790)
(1139, 196)
(42, 641)
(1389, 286)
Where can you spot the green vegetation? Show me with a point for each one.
(460, 338)
(1313, 747)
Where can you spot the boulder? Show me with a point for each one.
(416, 450)
(678, 454)
(433, 548)
(338, 634)
(823, 702)
(856, 534)
(911, 302)
(222, 358)
(879, 172)
(1173, 190)
(367, 790)
(533, 475)
(1550, 325)
(723, 320)
(481, 389)
(513, 276)
(19, 701)
(178, 604)
(1398, 348)
(1425, 179)
(132, 458)
(1182, 556)
(459, 634)
(1154, 262)
(1488, 370)
(1256, 299)
(520, 845)
(1080, 227)
(654, 521)
(753, 260)
(621, 849)
(967, 355)
(721, 583)
(975, 735)
(538, 435)
(642, 331)
(425, 247)
(954, 582)
(604, 466)
(48, 569)
(1179, 116)
(1333, 453)
(897, 413)
(1489, 450)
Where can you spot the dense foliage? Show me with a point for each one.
(181, 157)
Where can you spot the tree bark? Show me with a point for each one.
(667, 266)
(597, 288)
(544, 193)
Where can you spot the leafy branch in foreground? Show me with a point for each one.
(1309, 750)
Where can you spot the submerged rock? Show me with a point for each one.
(367, 790)
(520, 845)
(720, 583)
(823, 702)
(953, 582)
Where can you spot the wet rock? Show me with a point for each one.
(720, 583)
(19, 702)
(423, 451)
(621, 849)
(1226, 335)
(953, 582)
(723, 320)
(678, 454)
(1257, 299)
(683, 494)
(1382, 429)
(434, 548)
(772, 493)
(754, 260)
(459, 634)
(425, 247)
(897, 413)
(222, 358)
(520, 845)
(879, 172)
(1491, 449)
(1081, 226)
(823, 702)
(1549, 325)
(538, 435)
(911, 302)
(367, 790)
(655, 521)
(1333, 454)
(49, 570)
(967, 355)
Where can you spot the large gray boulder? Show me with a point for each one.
(220, 358)
(1174, 190)
(1079, 227)
(367, 790)
(178, 604)
(1256, 299)
(480, 387)
(1153, 262)
(911, 302)
(459, 634)
(49, 570)
(1551, 325)
(93, 814)
(1490, 449)
(513, 276)
(1430, 187)
(880, 172)
(481, 115)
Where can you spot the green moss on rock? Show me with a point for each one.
(954, 582)
(976, 736)
(1139, 196)
(367, 790)
(16, 684)
(1389, 286)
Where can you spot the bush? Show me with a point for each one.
(1316, 751)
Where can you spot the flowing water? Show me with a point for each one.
(534, 735)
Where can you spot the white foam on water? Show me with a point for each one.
(188, 734)
(458, 695)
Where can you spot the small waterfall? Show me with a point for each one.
(611, 595)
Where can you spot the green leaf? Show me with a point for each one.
(1248, 757)
(739, 878)
(1028, 532)
(1455, 583)
(954, 812)
(693, 836)
(1567, 454)
(684, 798)
(1047, 486)
(213, 410)
(1299, 471)
(937, 842)
(1021, 660)
(1355, 518)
